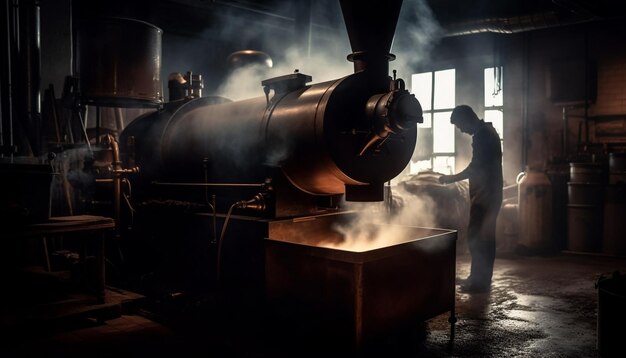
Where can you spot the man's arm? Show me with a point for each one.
(462, 175)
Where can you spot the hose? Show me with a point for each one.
(221, 239)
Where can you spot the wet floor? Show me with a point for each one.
(538, 307)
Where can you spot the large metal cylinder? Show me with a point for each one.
(119, 63)
(314, 134)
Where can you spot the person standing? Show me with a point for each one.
(485, 185)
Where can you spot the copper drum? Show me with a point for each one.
(119, 63)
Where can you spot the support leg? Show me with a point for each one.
(452, 319)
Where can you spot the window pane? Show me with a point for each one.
(428, 123)
(495, 117)
(419, 166)
(443, 133)
(443, 164)
(424, 145)
(421, 87)
(491, 82)
(444, 89)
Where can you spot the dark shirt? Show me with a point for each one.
(485, 169)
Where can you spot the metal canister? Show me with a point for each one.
(535, 211)
(119, 63)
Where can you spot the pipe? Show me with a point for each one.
(9, 96)
(29, 39)
(516, 24)
(211, 184)
(117, 180)
(371, 28)
(565, 130)
(525, 95)
(119, 120)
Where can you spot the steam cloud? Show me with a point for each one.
(416, 34)
(379, 225)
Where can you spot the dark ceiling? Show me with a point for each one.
(454, 11)
(187, 16)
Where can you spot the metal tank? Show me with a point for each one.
(613, 242)
(535, 211)
(585, 206)
(119, 62)
(310, 133)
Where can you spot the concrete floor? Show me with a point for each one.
(538, 307)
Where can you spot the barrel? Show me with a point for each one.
(617, 168)
(614, 235)
(584, 227)
(585, 206)
(585, 194)
(586, 173)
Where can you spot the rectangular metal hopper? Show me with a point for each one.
(346, 299)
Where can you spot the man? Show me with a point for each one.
(485, 183)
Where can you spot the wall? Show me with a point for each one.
(534, 123)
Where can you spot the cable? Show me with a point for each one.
(221, 239)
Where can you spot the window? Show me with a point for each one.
(494, 100)
(435, 145)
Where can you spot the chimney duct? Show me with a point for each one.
(371, 26)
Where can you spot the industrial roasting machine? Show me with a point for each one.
(242, 199)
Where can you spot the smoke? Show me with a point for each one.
(384, 224)
(325, 64)
(417, 32)
(73, 183)
(321, 54)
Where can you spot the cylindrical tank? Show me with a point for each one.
(585, 206)
(614, 230)
(119, 63)
(586, 173)
(617, 168)
(314, 134)
(535, 212)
